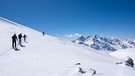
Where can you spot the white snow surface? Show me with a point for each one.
(51, 56)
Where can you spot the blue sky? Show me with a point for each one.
(106, 18)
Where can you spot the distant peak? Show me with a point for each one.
(96, 36)
(81, 37)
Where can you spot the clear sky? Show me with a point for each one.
(106, 18)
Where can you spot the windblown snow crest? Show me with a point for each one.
(11, 22)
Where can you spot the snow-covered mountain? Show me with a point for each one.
(100, 43)
(51, 56)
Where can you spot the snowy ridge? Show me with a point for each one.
(51, 56)
(100, 43)
(11, 22)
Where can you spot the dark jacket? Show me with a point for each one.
(14, 38)
(20, 36)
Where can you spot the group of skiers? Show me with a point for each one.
(14, 39)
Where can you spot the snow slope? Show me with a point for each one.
(51, 56)
(123, 53)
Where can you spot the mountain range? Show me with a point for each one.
(103, 43)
